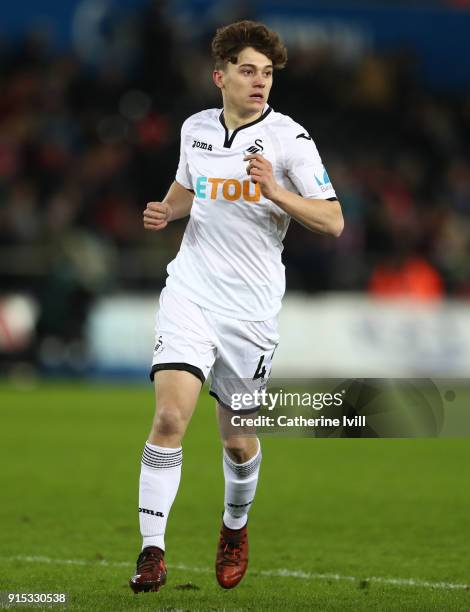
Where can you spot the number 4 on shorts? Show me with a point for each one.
(260, 369)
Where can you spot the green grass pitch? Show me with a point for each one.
(335, 521)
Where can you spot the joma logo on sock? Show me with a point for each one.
(152, 512)
(239, 505)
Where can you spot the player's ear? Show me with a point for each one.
(218, 78)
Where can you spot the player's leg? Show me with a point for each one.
(184, 354)
(242, 366)
(241, 464)
(176, 394)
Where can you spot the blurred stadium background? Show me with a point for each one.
(93, 96)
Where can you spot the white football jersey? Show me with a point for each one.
(230, 257)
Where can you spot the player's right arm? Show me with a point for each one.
(175, 205)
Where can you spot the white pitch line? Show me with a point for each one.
(278, 573)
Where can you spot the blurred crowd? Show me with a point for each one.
(83, 148)
(399, 157)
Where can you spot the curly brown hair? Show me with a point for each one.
(230, 40)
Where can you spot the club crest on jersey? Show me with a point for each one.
(256, 148)
(197, 144)
(227, 189)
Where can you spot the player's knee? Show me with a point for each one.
(168, 421)
(239, 450)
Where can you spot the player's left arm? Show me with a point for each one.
(317, 215)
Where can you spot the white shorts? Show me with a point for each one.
(238, 354)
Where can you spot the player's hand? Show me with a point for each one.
(260, 171)
(157, 215)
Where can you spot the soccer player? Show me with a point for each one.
(244, 172)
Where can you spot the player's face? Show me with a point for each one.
(246, 85)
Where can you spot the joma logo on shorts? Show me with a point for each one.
(227, 189)
(197, 144)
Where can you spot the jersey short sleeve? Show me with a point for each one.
(183, 176)
(304, 165)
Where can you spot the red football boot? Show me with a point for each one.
(150, 572)
(232, 556)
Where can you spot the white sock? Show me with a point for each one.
(240, 488)
(160, 475)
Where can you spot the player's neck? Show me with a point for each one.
(234, 120)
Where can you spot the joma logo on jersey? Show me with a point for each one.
(227, 189)
(197, 144)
